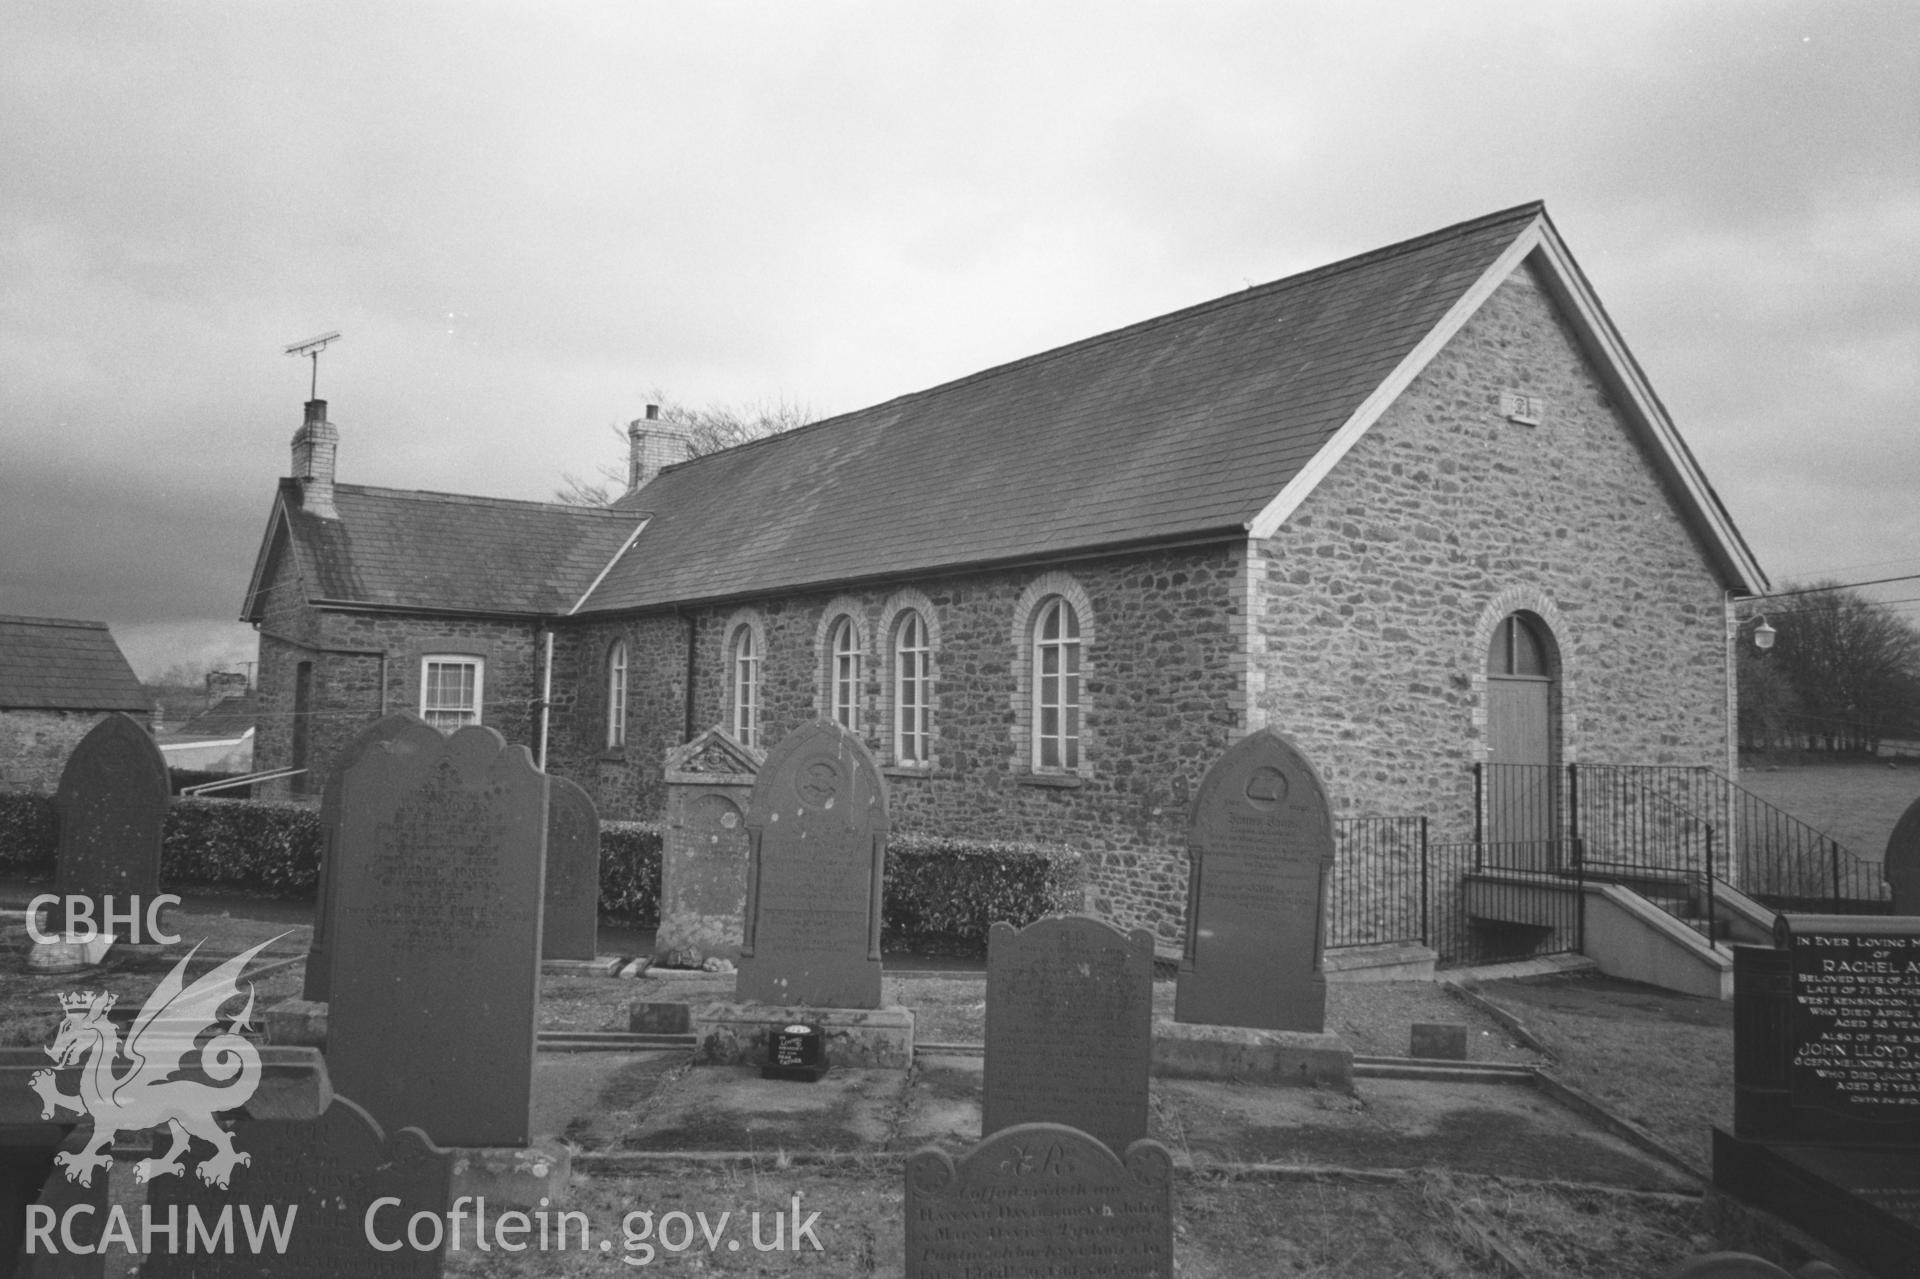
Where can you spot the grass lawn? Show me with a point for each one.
(1856, 802)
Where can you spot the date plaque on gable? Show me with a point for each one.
(1527, 410)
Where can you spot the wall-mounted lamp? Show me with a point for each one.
(1763, 635)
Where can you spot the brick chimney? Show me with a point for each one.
(314, 447)
(652, 444)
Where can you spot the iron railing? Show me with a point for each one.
(1381, 882)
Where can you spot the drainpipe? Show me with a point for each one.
(546, 697)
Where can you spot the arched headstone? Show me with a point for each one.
(436, 975)
(1260, 848)
(112, 802)
(817, 832)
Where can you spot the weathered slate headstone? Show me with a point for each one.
(1826, 1076)
(1901, 865)
(441, 856)
(571, 925)
(1069, 1027)
(1041, 1199)
(817, 831)
(704, 851)
(319, 972)
(322, 1179)
(112, 803)
(1260, 845)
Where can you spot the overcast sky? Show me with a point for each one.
(525, 218)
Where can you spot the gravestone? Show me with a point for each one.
(1069, 1027)
(1040, 1199)
(436, 975)
(112, 803)
(1827, 1082)
(817, 840)
(704, 851)
(570, 926)
(1260, 849)
(319, 974)
(1901, 865)
(329, 1173)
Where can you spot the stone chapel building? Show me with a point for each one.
(1416, 510)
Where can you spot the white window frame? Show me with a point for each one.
(450, 716)
(617, 696)
(743, 662)
(1058, 688)
(912, 690)
(844, 663)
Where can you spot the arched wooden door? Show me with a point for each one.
(1522, 789)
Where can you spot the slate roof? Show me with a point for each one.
(228, 717)
(1183, 426)
(411, 549)
(49, 663)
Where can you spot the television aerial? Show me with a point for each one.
(312, 348)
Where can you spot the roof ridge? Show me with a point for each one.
(15, 620)
(479, 499)
(1531, 209)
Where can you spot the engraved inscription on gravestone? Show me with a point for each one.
(1856, 1016)
(703, 886)
(112, 802)
(319, 978)
(1260, 842)
(1069, 1027)
(571, 924)
(817, 831)
(1040, 1199)
(325, 1173)
(436, 978)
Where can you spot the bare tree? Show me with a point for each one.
(709, 430)
(1852, 664)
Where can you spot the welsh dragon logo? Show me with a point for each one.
(130, 1087)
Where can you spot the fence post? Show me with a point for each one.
(1479, 812)
(1834, 848)
(1580, 905)
(1425, 927)
(1573, 814)
(1713, 921)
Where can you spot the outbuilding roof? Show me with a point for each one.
(52, 663)
(406, 548)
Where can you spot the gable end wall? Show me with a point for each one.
(1376, 599)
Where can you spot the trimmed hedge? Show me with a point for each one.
(250, 845)
(944, 894)
(29, 835)
(630, 873)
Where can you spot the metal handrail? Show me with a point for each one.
(245, 779)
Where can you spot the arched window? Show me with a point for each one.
(1056, 687)
(744, 658)
(912, 690)
(1517, 649)
(843, 675)
(617, 695)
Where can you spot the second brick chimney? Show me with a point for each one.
(653, 443)
(315, 445)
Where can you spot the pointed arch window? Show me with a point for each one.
(1056, 687)
(744, 659)
(912, 690)
(844, 674)
(617, 696)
